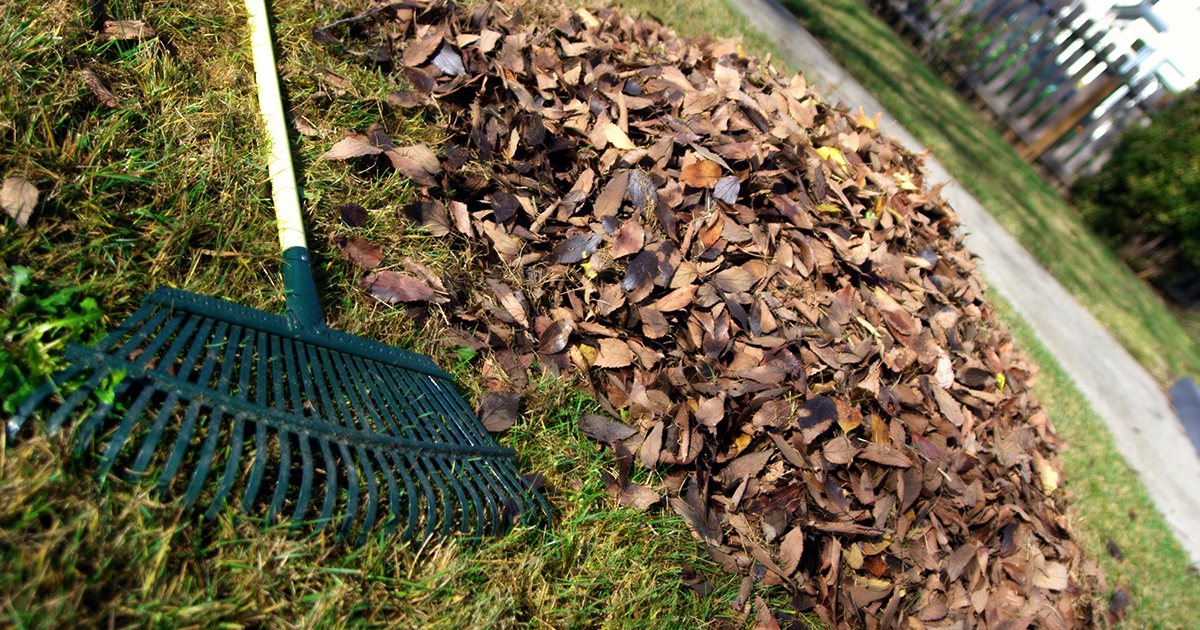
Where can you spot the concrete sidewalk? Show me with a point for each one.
(1146, 430)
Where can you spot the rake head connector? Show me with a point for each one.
(305, 421)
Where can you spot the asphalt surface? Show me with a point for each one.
(1144, 427)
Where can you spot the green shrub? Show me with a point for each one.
(1146, 199)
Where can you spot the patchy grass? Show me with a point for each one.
(77, 553)
(170, 188)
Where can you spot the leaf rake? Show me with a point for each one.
(323, 416)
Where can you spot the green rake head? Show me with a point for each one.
(305, 420)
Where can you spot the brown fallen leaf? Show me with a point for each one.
(604, 430)
(431, 215)
(392, 287)
(884, 454)
(700, 174)
(351, 146)
(1120, 600)
(839, 450)
(676, 300)
(112, 30)
(614, 353)
(18, 197)
(353, 214)
(764, 619)
(652, 446)
(498, 411)
(419, 51)
(96, 85)
(554, 339)
(360, 251)
(629, 239)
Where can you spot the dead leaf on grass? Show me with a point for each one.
(392, 287)
(18, 197)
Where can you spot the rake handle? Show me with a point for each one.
(304, 310)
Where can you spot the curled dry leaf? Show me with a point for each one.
(392, 287)
(498, 411)
(353, 214)
(700, 174)
(604, 430)
(352, 146)
(18, 197)
(96, 85)
(125, 29)
(555, 337)
(360, 251)
(614, 353)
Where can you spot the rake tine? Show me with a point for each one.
(285, 449)
(55, 422)
(481, 510)
(188, 426)
(421, 429)
(331, 485)
(352, 478)
(102, 410)
(239, 425)
(387, 424)
(160, 424)
(230, 473)
(334, 365)
(43, 391)
(306, 471)
(393, 494)
(205, 463)
(130, 420)
(410, 493)
(318, 411)
(260, 430)
(281, 485)
(298, 404)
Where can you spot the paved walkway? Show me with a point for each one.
(1147, 432)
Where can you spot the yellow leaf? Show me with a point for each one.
(1046, 472)
(1000, 380)
(832, 153)
(617, 138)
(853, 556)
(867, 123)
(904, 180)
(828, 208)
(742, 441)
(587, 18)
(588, 353)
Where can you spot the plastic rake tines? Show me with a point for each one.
(318, 425)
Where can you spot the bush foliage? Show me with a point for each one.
(1146, 199)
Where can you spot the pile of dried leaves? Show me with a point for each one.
(757, 285)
